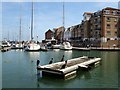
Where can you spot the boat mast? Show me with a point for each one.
(20, 30)
(32, 23)
(63, 16)
(20, 24)
(63, 22)
(8, 35)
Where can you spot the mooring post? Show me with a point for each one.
(37, 67)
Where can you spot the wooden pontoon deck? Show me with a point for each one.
(71, 67)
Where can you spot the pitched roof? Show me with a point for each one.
(110, 8)
(89, 13)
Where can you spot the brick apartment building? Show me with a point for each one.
(98, 27)
(104, 25)
(75, 34)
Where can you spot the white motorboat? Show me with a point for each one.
(5, 44)
(66, 46)
(18, 46)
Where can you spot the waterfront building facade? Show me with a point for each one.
(59, 33)
(49, 34)
(100, 28)
(97, 28)
(104, 26)
(110, 17)
(75, 34)
(67, 34)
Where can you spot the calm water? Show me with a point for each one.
(19, 70)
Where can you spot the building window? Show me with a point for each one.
(114, 12)
(108, 39)
(108, 26)
(115, 20)
(118, 12)
(108, 19)
(108, 32)
(115, 32)
(107, 11)
(115, 26)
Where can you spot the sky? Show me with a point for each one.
(47, 15)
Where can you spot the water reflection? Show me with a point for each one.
(33, 55)
(109, 59)
(51, 81)
(19, 50)
(84, 75)
(68, 54)
(56, 50)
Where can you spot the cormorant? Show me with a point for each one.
(64, 65)
(62, 58)
(51, 61)
(38, 62)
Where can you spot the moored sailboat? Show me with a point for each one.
(66, 46)
(32, 45)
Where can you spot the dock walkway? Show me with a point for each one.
(96, 48)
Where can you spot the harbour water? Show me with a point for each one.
(19, 70)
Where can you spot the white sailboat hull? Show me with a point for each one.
(66, 46)
(32, 47)
(56, 46)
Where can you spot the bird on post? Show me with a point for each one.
(38, 61)
(51, 61)
(62, 58)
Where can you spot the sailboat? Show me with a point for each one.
(65, 45)
(32, 45)
(19, 44)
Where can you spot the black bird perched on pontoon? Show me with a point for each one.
(64, 65)
(38, 61)
(62, 58)
(51, 61)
